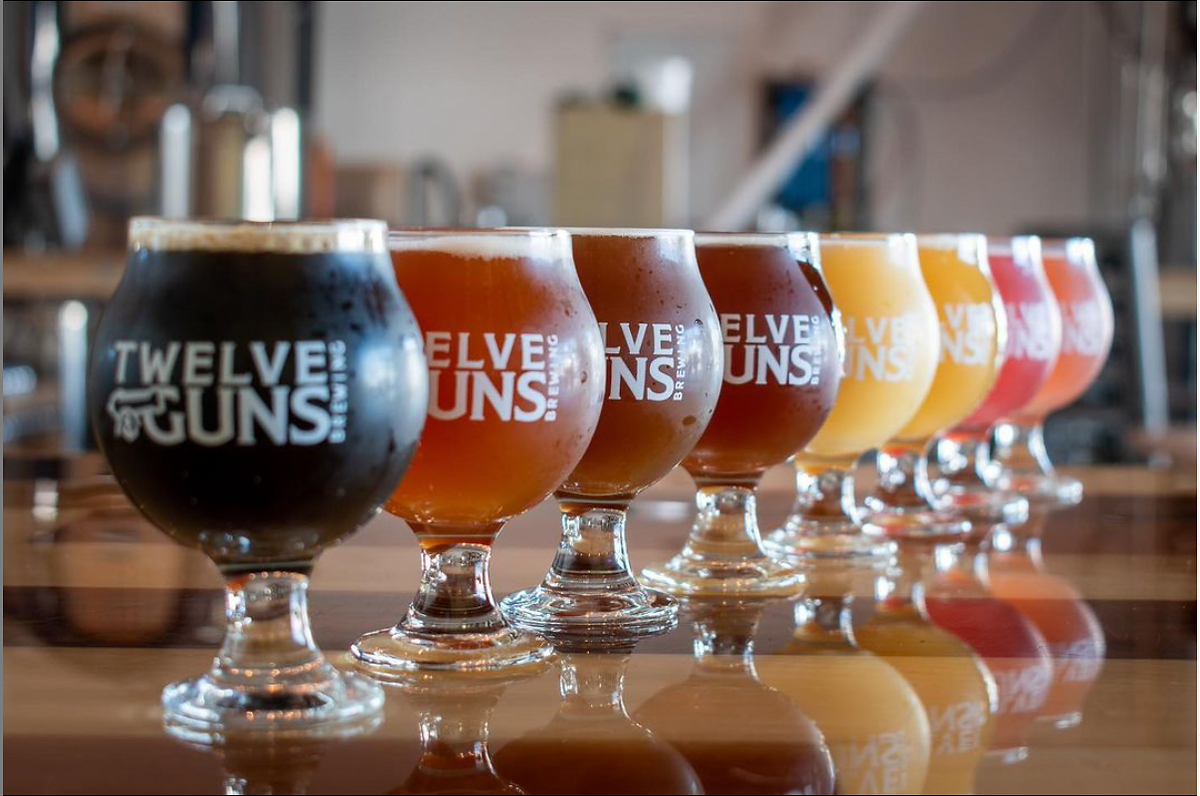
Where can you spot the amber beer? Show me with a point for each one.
(782, 358)
(781, 354)
(664, 362)
(515, 388)
(511, 408)
(663, 354)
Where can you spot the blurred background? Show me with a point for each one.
(998, 117)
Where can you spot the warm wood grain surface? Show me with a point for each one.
(96, 621)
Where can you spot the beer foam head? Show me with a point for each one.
(607, 232)
(802, 245)
(898, 248)
(949, 240)
(278, 237)
(666, 245)
(770, 240)
(866, 238)
(1018, 246)
(485, 244)
(1075, 250)
(969, 247)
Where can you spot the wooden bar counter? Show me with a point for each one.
(102, 610)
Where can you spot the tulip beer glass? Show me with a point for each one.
(664, 357)
(515, 388)
(258, 390)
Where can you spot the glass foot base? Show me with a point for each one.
(1064, 721)
(332, 705)
(986, 507)
(395, 653)
(626, 614)
(920, 525)
(802, 541)
(1043, 490)
(758, 577)
(1011, 756)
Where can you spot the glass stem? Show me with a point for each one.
(723, 639)
(268, 639)
(902, 587)
(1020, 448)
(593, 683)
(271, 768)
(592, 556)
(903, 478)
(965, 459)
(454, 738)
(455, 593)
(726, 527)
(1017, 550)
(957, 571)
(458, 737)
(824, 621)
(824, 494)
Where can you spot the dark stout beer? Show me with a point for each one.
(257, 393)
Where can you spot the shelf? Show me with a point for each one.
(58, 277)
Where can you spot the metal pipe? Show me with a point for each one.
(834, 93)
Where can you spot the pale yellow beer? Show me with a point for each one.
(891, 332)
(973, 331)
(891, 350)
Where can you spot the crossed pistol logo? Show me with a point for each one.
(130, 408)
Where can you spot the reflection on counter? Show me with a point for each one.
(958, 693)
(1017, 575)
(1011, 646)
(591, 745)
(276, 763)
(454, 711)
(870, 716)
(740, 735)
(890, 700)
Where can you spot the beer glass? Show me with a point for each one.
(891, 338)
(973, 331)
(664, 361)
(258, 390)
(516, 383)
(966, 471)
(1087, 333)
(778, 326)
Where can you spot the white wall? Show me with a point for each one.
(476, 82)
